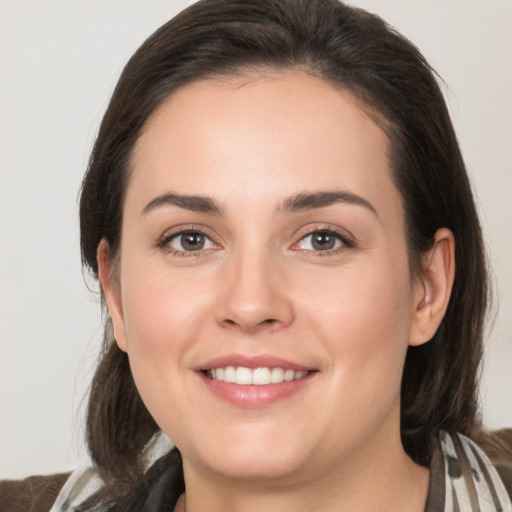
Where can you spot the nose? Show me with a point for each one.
(253, 295)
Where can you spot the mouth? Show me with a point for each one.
(261, 376)
(252, 382)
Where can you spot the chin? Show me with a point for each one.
(251, 457)
(257, 469)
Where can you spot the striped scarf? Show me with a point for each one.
(463, 478)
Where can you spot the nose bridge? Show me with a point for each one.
(254, 297)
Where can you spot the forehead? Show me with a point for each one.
(258, 138)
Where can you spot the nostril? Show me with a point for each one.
(268, 322)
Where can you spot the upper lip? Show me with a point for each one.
(257, 361)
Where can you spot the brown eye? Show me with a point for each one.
(189, 241)
(321, 241)
(192, 241)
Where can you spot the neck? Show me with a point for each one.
(380, 480)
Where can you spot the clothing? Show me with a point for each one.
(33, 494)
(462, 480)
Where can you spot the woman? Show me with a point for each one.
(278, 213)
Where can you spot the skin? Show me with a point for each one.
(260, 287)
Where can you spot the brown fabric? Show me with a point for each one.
(32, 494)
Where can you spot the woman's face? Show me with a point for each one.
(262, 241)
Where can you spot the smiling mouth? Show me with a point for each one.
(262, 376)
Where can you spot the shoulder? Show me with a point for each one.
(32, 494)
(49, 493)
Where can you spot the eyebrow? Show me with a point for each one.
(312, 200)
(298, 202)
(194, 203)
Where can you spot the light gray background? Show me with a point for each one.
(59, 63)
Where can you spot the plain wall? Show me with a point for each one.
(59, 61)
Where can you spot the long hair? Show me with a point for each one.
(355, 51)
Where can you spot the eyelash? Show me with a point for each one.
(347, 241)
(165, 240)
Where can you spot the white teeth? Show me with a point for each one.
(289, 375)
(258, 376)
(229, 374)
(261, 376)
(243, 375)
(276, 375)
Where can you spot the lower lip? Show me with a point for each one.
(252, 396)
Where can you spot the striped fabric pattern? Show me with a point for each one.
(471, 482)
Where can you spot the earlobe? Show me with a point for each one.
(433, 288)
(111, 292)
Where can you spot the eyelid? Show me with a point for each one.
(348, 239)
(163, 241)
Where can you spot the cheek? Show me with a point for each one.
(163, 317)
(159, 307)
(364, 324)
(364, 317)
(151, 314)
(163, 322)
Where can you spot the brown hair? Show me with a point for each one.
(355, 51)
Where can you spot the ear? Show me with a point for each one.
(433, 288)
(112, 293)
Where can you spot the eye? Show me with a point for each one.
(322, 241)
(189, 241)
